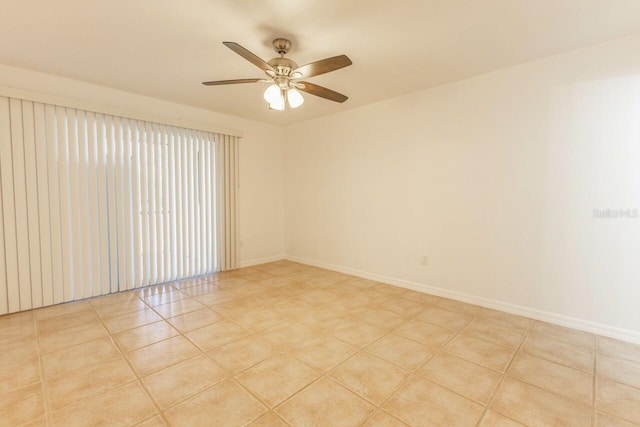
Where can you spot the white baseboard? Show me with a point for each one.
(545, 316)
(256, 261)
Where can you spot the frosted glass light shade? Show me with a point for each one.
(295, 98)
(272, 95)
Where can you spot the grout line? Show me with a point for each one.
(505, 374)
(135, 373)
(43, 379)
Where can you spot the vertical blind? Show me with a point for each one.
(92, 204)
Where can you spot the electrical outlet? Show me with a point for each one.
(423, 259)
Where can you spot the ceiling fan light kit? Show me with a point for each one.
(284, 75)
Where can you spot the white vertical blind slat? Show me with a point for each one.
(95, 287)
(172, 204)
(75, 212)
(157, 207)
(31, 174)
(166, 211)
(12, 290)
(84, 194)
(127, 206)
(103, 200)
(20, 204)
(137, 202)
(44, 242)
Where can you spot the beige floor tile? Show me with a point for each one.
(383, 419)
(605, 420)
(179, 307)
(423, 403)
(125, 405)
(200, 289)
(288, 334)
(182, 380)
(493, 331)
(543, 346)
(88, 381)
(323, 352)
(212, 336)
(61, 310)
(619, 370)
(567, 335)
(458, 306)
(242, 353)
(257, 320)
(277, 378)
(356, 333)
(68, 320)
(532, 406)
(406, 353)
(195, 320)
(619, 349)
(22, 405)
(318, 296)
(226, 404)
(39, 422)
(57, 340)
(430, 335)
(321, 318)
(619, 400)
(163, 298)
(482, 352)
(20, 332)
(446, 319)
(160, 355)
(133, 303)
(493, 419)
(78, 356)
(381, 318)
(325, 403)
(370, 377)
(360, 282)
(421, 297)
(131, 320)
(389, 290)
(465, 378)
(269, 419)
(152, 422)
(342, 289)
(404, 307)
(118, 297)
(560, 379)
(19, 366)
(151, 291)
(516, 323)
(142, 336)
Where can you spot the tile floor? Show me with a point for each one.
(287, 344)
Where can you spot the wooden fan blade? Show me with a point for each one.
(232, 82)
(248, 55)
(323, 66)
(321, 91)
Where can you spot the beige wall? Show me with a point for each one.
(495, 179)
(261, 155)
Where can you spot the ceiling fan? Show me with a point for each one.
(285, 75)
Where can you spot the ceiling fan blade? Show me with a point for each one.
(321, 91)
(323, 66)
(233, 82)
(248, 55)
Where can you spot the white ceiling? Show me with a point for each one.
(166, 48)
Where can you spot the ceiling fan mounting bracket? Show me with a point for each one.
(281, 46)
